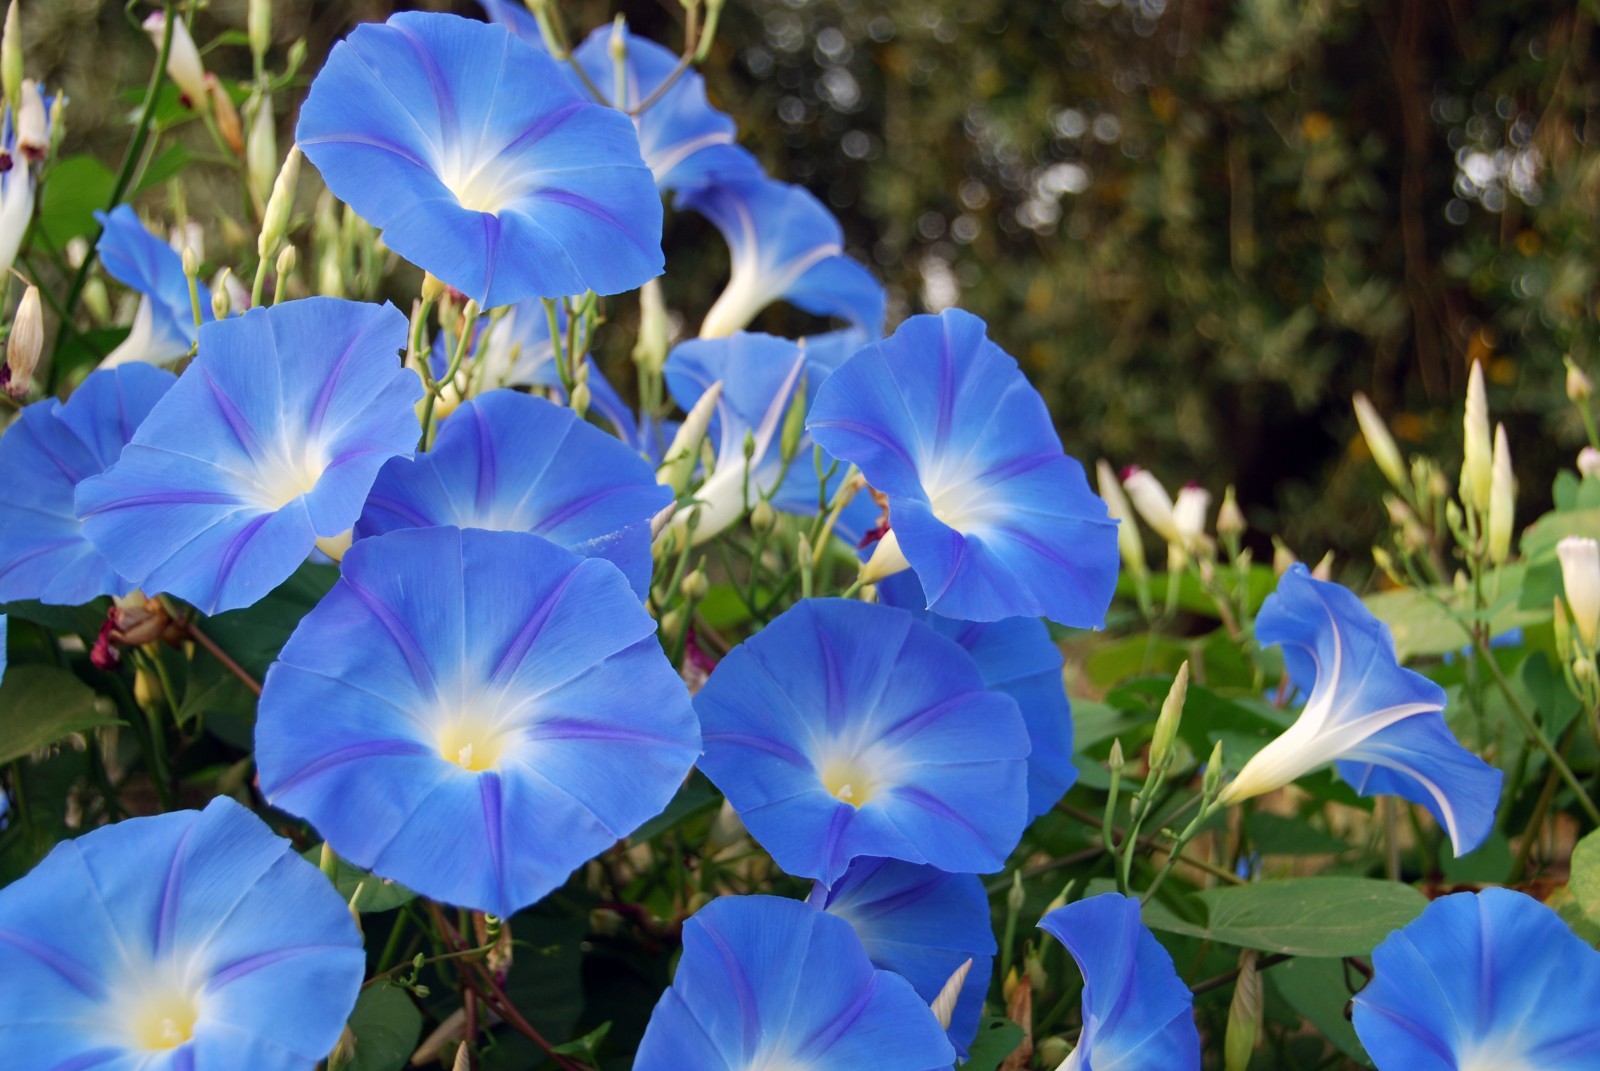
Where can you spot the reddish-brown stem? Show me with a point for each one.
(222, 656)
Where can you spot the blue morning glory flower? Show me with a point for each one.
(1382, 723)
(785, 247)
(768, 984)
(270, 439)
(1016, 656)
(684, 140)
(512, 462)
(163, 328)
(197, 939)
(1488, 981)
(481, 163)
(458, 699)
(923, 924)
(1137, 1013)
(45, 454)
(845, 729)
(991, 516)
(759, 376)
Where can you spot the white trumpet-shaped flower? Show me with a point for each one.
(1383, 724)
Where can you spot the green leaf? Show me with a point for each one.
(73, 190)
(1337, 916)
(170, 162)
(377, 894)
(386, 1026)
(997, 1038)
(41, 704)
(1318, 991)
(587, 1046)
(1554, 701)
(1422, 628)
(1585, 880)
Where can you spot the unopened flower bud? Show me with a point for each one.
(1129, 545)
(1323, 570)
(762, 516)
(297, 55)
(672, 622)
(221, 300)
(183, 59)
(794, 424)
(678, 462)
(1166, 731)
(11, 57)
(1115, 761)
(1189, 514)
(1385, 454)
(1152, 502)
(695, 585)
(1385, 562)
(1053, 1051)
(1230, 518)
(226, 115)
(582, 396)
(1583, 669)
(1580, 577)
(1477, 467)
(286, 259)
(24, 344)
(275, 220)
(33, 123)
(1282, 557)
(1579, 386)
(258, 26)
(1502, 499)
(1588, 462)
(1212, 781)
(1562, 626)
(650, 351)
(261, 150)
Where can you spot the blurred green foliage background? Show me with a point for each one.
(1200, 225)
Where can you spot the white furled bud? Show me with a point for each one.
(33, 123)
(25, 344)
(678, 463)
(1588, 462)
(1385, 454)
(183, 59)
(1152, 502)
(1579, 386)
(1129, 545)
(1580, 576)
(275, 220)
(1502, 499)
(1477, 466)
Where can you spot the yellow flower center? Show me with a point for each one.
(472, 743)
(163, 1020)
(849, 780)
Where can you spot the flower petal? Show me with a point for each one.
(1137, 1013)
(767, 983)
(271, 438)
